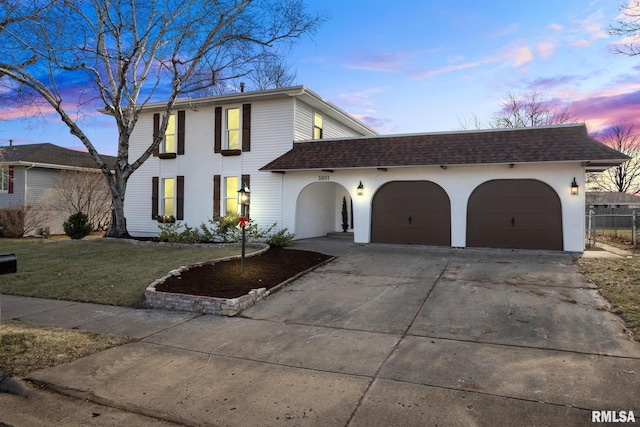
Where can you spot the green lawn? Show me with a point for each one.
(99, 271)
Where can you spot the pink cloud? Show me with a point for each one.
(581, 43)
(521, 55)
(447, 69)
(515, 56)
(356, 99)
(555, 27)
(605, 110)
(545, 84)
(381, 125)
(546, 49)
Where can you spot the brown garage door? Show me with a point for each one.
(414, 212)
(514, 213)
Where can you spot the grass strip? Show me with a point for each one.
(619, 283)
(25, 348)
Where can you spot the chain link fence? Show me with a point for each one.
(617, 223)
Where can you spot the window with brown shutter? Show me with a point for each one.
(217, 132)
(216, 196)
(180, 198)
(181, 131)
(156, 132)
(155, 189)
(246, 127)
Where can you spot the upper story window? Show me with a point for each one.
(317, 125)
(4, 179)
(172, 143)
(169, 143)
(233, 129)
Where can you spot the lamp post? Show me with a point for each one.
(244, 195)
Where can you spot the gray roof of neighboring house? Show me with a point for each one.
(561, 143)
(611, 198)
(47, 154)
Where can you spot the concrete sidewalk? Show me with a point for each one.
(383, 335)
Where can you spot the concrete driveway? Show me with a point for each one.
(385, 335)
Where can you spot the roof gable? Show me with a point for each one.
(504, 146)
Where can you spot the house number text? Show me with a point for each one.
(323, 177)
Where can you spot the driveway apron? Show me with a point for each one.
(385, 335)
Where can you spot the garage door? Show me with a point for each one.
(514, 213)
(413, 212)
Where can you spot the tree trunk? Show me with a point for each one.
(118, 187)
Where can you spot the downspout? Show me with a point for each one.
(26, 187)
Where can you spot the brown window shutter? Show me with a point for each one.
(216, 196)
(217, 132)
(246, 127)
(181, 130)
(180, 198)
(10, 185)
(156, 131)
(155, 189)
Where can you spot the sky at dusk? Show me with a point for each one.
(427, 66)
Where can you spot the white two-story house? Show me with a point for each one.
(215, 144)
(301, 157)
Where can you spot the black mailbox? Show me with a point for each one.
(8, 263)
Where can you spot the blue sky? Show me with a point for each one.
(425, 66)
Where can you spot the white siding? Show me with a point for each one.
(459, 182)
(275, 124)
(271, 136)
(137, 208)
(331, 128)
(303, 121)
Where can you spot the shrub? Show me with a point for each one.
(20, 219)
(12, 222)
(172, 232)
(77, 226)
(221, 230)
(281, 239)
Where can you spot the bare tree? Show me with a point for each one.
(271, 72)
(522, 110)
(624, 178)
(529, 109)
(86, 192)
(628, 27)
(132, 51)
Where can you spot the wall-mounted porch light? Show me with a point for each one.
(360, 189)
(574, 187)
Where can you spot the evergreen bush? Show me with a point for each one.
(77, 226)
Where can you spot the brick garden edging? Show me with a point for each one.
(212, 305)
(203, 304)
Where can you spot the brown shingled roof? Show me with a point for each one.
(51, 154)
(526, 145)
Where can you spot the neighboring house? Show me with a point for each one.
(612, 200)
(29, 176)
(507, 188)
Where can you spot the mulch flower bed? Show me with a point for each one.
(225, 280)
